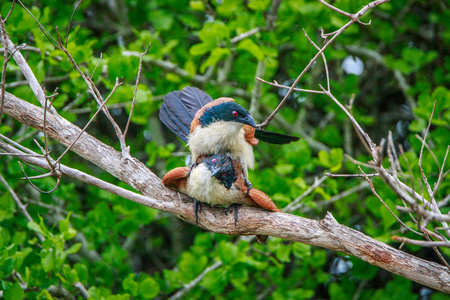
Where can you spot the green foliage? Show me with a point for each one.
(118, 249)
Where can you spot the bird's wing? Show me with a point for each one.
(262, 200)
(254, 195)
(176, 178)
(274, 137)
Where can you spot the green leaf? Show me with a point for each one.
(197, 5)
(258, 5)
(70, 234)
(48, 261)
(283, 253)
(44, 295)
(12, 291)
(215, 281)
(70, 274)
(82, 272)
(74, 248)
(148, 288)
(324, 158)
(63, 225)
(216, 55)
(252, 48)
(130, 285)
(227, 252)
(35, 227)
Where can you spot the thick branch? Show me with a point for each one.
(326, 233)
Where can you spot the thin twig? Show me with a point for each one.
(256, 91)
(187, 287)
(245, 35)
(372, 187)
(10, 11)
(276, 84)
(58, 178)
(352, 175)
(354, 19)
(429, 149)
(295, 204)
(135, 90)
(421, 243)
(89, 123)
(19, 204)
(70, 21)
(5, 63)
(327, 76)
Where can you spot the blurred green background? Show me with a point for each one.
(393, 70)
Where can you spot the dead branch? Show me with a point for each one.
(327, 233)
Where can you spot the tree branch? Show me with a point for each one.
(326, 233)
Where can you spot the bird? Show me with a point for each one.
(215, 126)
(218, 180)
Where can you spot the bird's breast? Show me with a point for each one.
(222, 137)
(201, 186)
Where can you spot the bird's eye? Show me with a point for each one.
(214, 160)
(235, 113)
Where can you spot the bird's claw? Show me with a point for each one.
(197, 209)
(249, 185)
(236, 209)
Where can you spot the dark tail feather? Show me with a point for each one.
(194, 99)
(175, 115)
(274, 137)
(179, 108)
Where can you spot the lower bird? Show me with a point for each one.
(218, 180)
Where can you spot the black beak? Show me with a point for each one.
(248, 120)
(214, 171)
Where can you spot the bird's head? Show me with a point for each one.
(222, 168)
(228, 112)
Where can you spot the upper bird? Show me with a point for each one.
(215, 126)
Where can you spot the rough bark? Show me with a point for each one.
(327, 233)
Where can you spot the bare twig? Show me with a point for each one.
(276, 84)
(58, 178)
(10, 10)
(5, 63)
(372, 187)
(353, 19)
(256, 91)
(187, 287)
(245, 35)
(19, 204)
(352, 175)
(88, 123)
(135, 90)
(79, 286)
(326, 233)
(327, 76)
(421, 243)
(23, 65)
(70, 21)
(295, 204)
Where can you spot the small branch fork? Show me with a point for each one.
(326, 233)
(413, 203)
(353, 19)
(9, 47)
